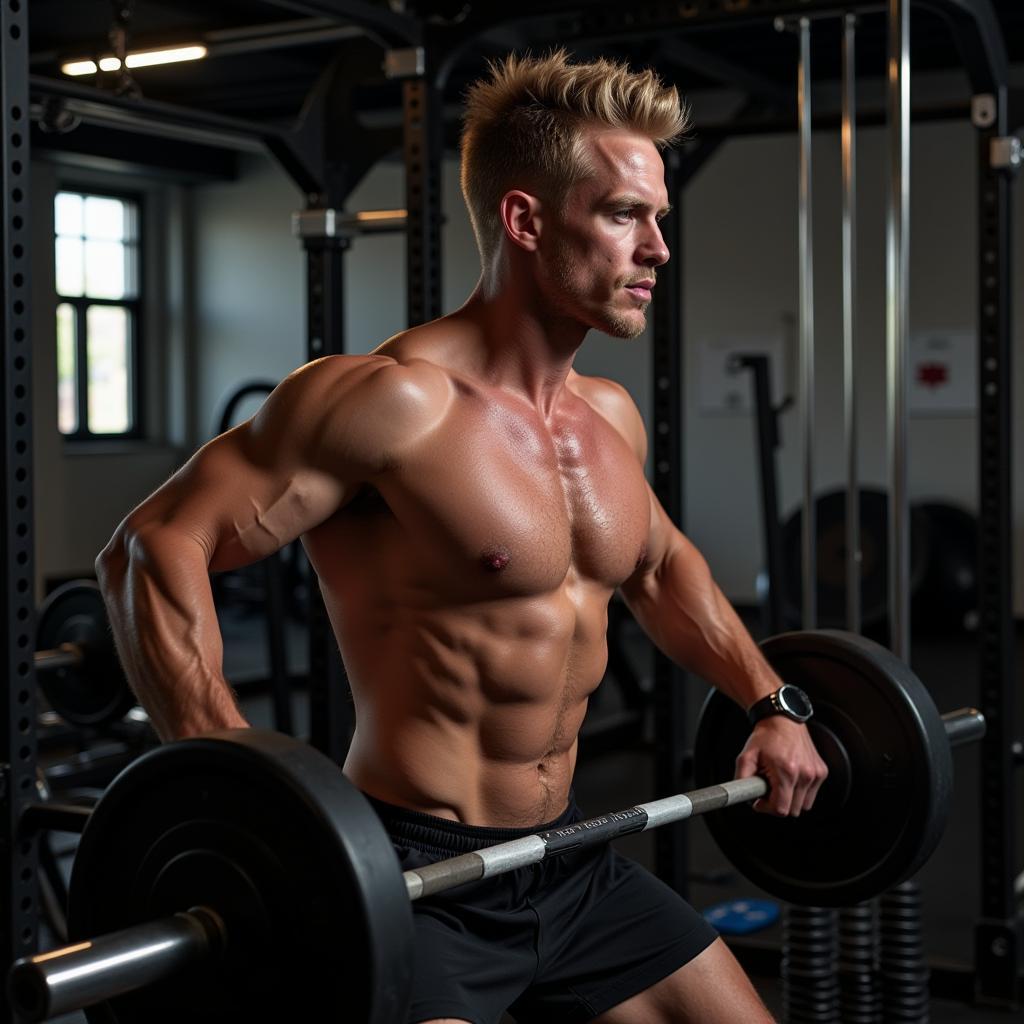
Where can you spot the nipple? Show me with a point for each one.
(494, 561)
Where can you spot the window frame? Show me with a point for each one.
(136, 308)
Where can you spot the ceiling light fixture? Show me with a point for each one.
(142, 59)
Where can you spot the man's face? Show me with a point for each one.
(603, 247)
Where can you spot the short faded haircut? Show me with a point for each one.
(523, 128)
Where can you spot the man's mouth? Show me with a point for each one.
(641, 289)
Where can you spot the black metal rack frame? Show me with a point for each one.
(327, 178)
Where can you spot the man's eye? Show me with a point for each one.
(622, 215)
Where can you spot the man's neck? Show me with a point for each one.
(522, 349)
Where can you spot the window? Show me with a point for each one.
(98, 314)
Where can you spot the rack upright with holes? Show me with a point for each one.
(18, 851)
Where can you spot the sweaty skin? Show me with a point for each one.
(470, 504)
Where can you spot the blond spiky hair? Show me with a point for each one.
(523, 128)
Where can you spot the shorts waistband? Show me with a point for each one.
(429, 833)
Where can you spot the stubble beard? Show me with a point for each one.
(609, 320)
(621, 326)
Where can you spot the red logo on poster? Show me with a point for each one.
(933, 375)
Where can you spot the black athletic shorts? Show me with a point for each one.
(563, 940)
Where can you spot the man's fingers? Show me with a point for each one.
(819, 780)
(746, 765)
(793, 780)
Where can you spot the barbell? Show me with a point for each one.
(76, 662)
(241, 876)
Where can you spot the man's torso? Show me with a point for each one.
(468, 587)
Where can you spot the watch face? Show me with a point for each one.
(794, 700)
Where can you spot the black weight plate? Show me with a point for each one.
(830, 558)
(948, 596)
(269, 833)
(97, 692)
(880, 814)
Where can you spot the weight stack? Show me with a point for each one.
(902, 967)
(859, 997)
(810, 960)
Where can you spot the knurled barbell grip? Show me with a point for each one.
(92, 971)
(496, 860)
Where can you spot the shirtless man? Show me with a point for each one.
(470, 504)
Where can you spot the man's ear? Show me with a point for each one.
(521, 219)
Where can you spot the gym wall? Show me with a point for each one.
(82, 491)
(739, 272)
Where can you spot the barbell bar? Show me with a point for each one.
(257, 861)
(966, 725)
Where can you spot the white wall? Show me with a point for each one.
(83, 490)
(740, 276)
(249, 287)
(250, 283)
(244, 318)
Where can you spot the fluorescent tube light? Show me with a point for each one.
(142, 59)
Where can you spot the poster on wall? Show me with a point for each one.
(943, 374)
(725, 389)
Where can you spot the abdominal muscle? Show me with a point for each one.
(472, 713)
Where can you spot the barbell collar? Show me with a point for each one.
(518, 853)
(93, 971)
(964, 726)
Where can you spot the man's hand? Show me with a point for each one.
(781, 751)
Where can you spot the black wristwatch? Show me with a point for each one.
(788, 700)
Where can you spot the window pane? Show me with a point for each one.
(104, 217)
(67, 370)
(67, 213)
(69, 266)
(109, 369)
(104, 270)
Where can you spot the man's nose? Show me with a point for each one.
(653, 251)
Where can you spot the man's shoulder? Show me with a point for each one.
(372, 407)
(409, 386)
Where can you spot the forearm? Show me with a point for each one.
(156, 586)
(686, 615)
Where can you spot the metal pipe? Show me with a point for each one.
(897, 324)
(806, 382)
(964, 726)
(65, 656)
(849, 142)
(55, 817)
(155, 116)
(93, 971)
(766, 439)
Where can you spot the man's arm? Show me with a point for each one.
(681, 608)
(677, 602)
(249, 492)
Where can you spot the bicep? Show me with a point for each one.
(325, 429)
(670, 562)
(256, 487)
(235, 503)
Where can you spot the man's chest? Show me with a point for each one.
(517, 509)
